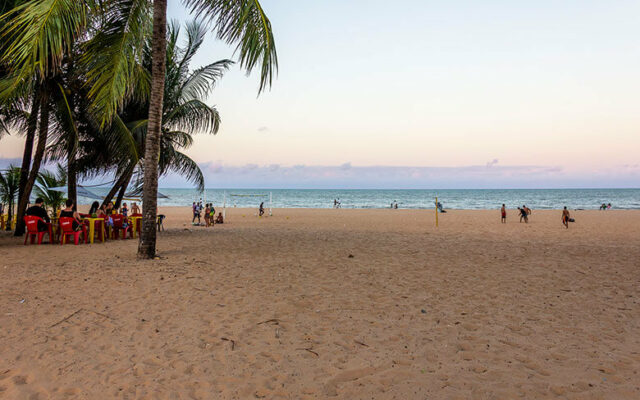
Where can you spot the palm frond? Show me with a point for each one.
(181, 164)
(243, 23)
(201, 81)
(113, 56)
(39, 33)
(194, 116)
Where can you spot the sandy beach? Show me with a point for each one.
(316, 304)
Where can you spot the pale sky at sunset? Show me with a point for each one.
(448, 93)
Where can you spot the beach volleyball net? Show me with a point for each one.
(258, 196)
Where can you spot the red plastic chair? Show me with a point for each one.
(66, 229)
(31, 223)
(118, 225)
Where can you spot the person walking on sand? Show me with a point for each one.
(261, 210)
(526, 209)
(565, 217)
(503, 214)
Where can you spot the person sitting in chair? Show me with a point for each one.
(38, 211)
(69, 212)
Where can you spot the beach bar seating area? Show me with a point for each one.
(91, 228)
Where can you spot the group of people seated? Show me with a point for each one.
(69, 211)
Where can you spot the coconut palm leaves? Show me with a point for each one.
(114, 55)
(243, 23)
(40, 34)
(47, 180)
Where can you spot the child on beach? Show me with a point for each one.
(124, 210)
(503, 214)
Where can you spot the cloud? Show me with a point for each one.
(492, 163)
(361, 177)
(263, 129)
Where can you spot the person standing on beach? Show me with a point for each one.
(261, 210)
(503, 214)
(523, 215)
(526, 209)
(565, 217)
(196, 213)
(206, 215)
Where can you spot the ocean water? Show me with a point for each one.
(415, 199)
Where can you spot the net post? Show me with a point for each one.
(436, 211)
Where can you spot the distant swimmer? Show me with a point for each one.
(503, 214)
(566, 217)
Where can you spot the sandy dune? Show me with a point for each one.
(315, 304)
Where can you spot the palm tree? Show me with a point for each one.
(116, 148)
(240, 22)
(47, 180)
(9, 183)
(40, 34)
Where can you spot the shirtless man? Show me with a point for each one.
(523, 215)
(503, 214)
(565, 217)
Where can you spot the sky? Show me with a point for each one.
(430, 94)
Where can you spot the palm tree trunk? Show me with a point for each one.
(147, 244)
(23, 200)
(123, 189)
(122, 180)
(71, 170)
(42, 144)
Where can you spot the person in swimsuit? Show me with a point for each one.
(134, 208)
(565, 217)
(207, 210)
(523, 215)
(503, 214)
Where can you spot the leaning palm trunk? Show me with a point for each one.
(37, 159)
(26, 164)
(122, 180)
(123, 189)
(71, 170)
(147, 245)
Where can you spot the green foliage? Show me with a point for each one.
(9, 183)
(45, 181)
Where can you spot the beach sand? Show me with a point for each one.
(315, 304)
